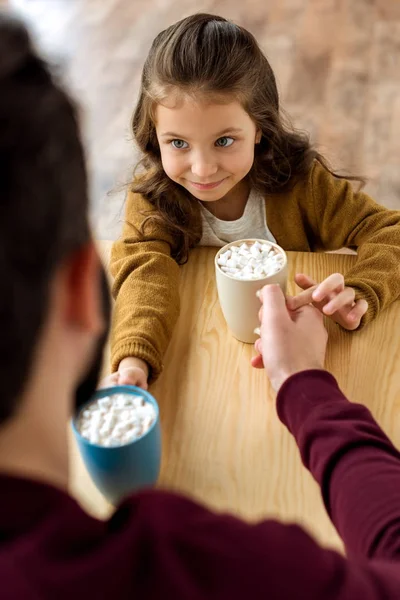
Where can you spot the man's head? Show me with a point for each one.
(50, 301)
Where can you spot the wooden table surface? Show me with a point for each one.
(222, 441)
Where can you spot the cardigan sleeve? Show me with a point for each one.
(345, 218)
(145, 288)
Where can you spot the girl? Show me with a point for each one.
(220, 165)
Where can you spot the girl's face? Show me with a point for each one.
(207, 148)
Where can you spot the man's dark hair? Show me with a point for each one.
(43, 200)
(87, 386)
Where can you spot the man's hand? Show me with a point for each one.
(291, 341)
(332, 298)
(131, 371)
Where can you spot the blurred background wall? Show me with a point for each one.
(337, 63)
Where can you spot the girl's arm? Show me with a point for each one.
(145, 288)
(345, 218)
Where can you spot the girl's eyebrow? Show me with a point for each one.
(217, 135)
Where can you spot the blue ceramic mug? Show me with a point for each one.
(119, 470)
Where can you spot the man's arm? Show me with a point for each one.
(356, 465)
(354, 462)
(181, 550)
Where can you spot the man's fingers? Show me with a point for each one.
(274, 305)
(260, 314)
(273, 313)
(258, 345)
(257, 362)
(345, 298)
(331, 284)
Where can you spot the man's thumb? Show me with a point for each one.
(274, 305)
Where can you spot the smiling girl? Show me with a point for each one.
(220, 165)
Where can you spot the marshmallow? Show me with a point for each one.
(222, 260)
(94, 438)
(116, 420)
(232, 262)
(226, 255)
(251, 261)
(104, 403)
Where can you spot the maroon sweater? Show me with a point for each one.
(158, 545)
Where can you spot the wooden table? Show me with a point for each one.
(222, 441)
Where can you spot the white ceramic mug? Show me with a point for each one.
(237, 297)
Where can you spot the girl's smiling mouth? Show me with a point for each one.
(207, 186)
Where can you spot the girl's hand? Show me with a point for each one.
(332, 298)
(131, 371)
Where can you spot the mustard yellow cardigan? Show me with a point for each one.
(320, 213)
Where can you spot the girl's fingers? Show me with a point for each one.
(354, 316)
(304, 281)
(333, 283)
(331, 297)
(109, 381)
(133, 376)
(351, 318)
(342, 299)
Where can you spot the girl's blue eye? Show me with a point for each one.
(179, 144)
(224, 142)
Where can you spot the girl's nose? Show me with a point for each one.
(204, 167)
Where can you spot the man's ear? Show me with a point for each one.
(83, 285)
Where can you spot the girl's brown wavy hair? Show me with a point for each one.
(208, 57)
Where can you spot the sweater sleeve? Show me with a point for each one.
(145, 288)
(355, 464)
(345, 218)
(358, 469)
(195, 553)
(160, 545)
